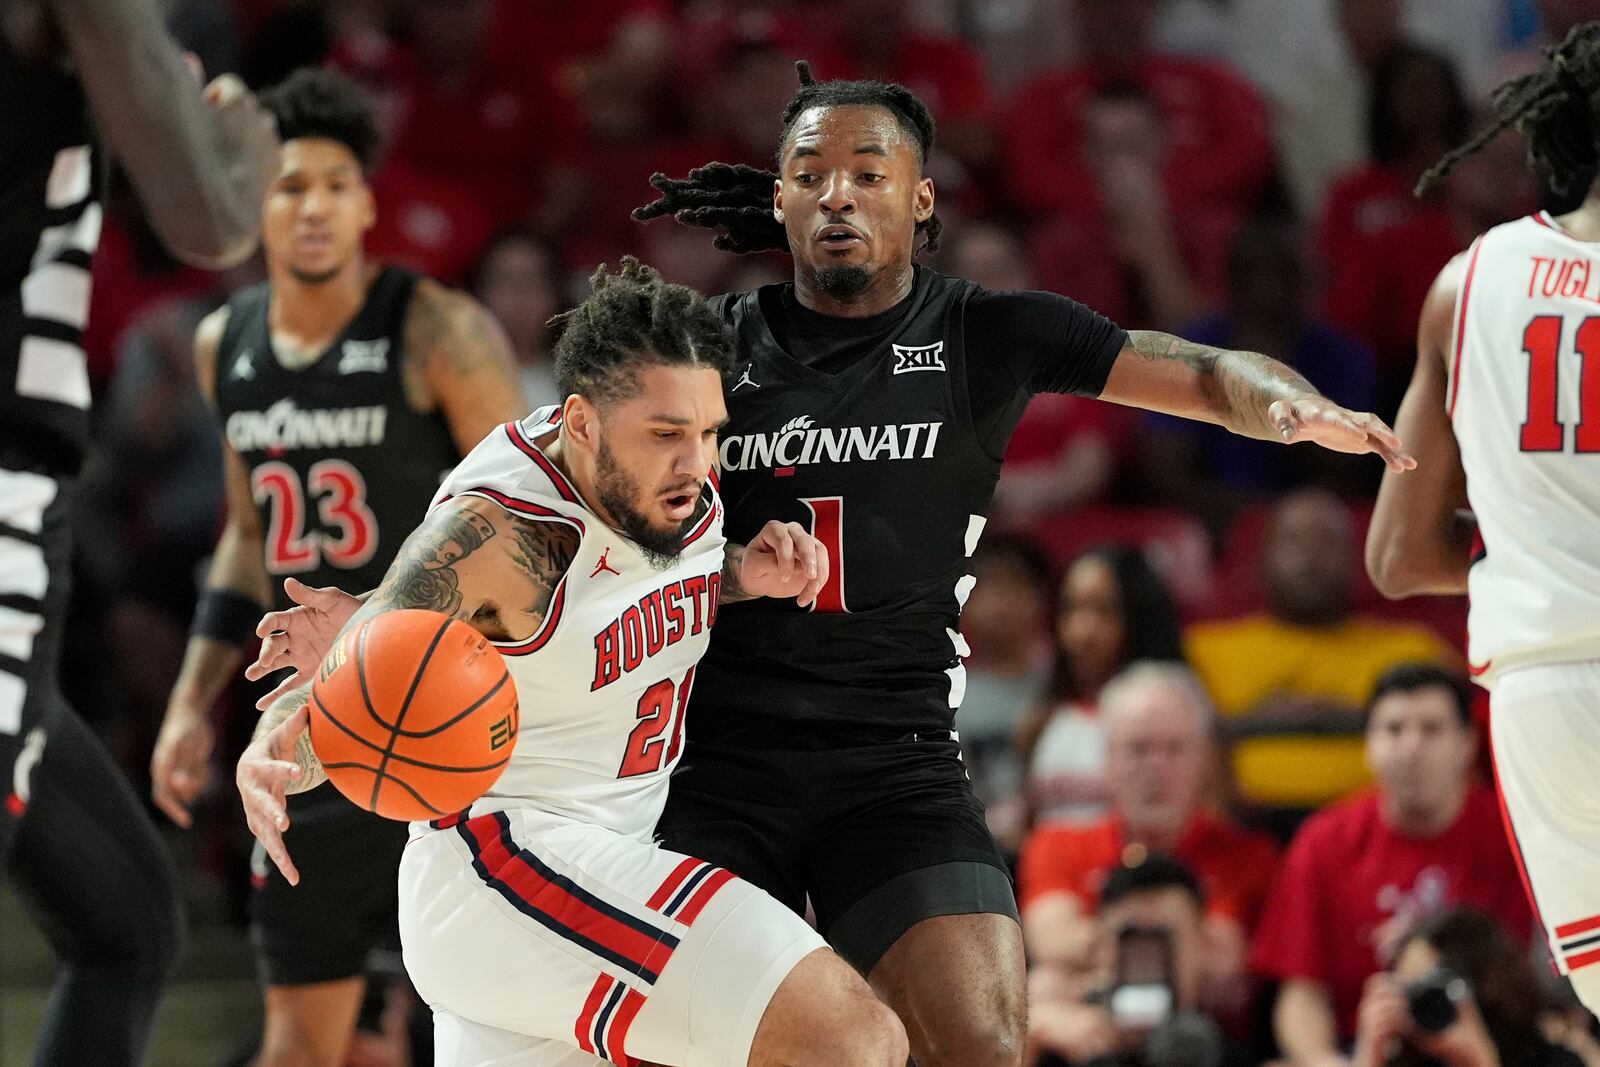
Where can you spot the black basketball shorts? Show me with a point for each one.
(879, 836)
(340, 921)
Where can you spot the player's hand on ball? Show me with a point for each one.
(783, 560)
(1319, 420)
(264, 774)
(180, 767)
(299, 637)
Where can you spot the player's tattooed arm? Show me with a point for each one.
(312, 773)
(1236, 388)
(424, 574)
(458, 361)
(542, 553)
(732, 589)
(1246, 392)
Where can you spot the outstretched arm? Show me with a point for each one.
(200, 164)
(1422, 534)
(471, 560)
(1246, 392)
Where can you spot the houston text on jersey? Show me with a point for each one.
(658, 621)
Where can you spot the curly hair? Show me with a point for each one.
(1557, 107)
(318, 102)
(737, 198)
(635, 318)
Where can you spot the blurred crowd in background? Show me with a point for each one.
(1289, 781)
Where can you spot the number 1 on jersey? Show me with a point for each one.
(827, 526)
(1542, 429)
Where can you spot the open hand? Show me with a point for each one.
(263, 776)
(299, 637)
(1317, 419)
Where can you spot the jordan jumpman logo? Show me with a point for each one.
(604, 565)
(744, 380)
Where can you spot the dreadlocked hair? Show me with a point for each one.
(737, 198)
(1557, 107)
(635, 318)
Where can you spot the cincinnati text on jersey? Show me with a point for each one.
(659, 620)
(800, 442)
(284, 426)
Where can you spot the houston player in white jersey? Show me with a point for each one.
(543, 925)
(1503, 415)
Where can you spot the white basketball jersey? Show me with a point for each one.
(603, 685)
(1524, 401)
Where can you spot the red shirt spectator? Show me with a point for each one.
(1218, 151)
(1234, 865)
(1350, 885)
(1383, 248)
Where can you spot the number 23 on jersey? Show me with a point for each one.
(350, 530)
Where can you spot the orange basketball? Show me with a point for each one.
(413, 715)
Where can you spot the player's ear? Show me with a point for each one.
(580, 423)
(369, 208)
(922, 207)
(777, 200)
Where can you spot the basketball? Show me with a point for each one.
(413, 715)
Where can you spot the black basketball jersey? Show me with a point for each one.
(890, 460)
(341, 465)
(49, 228)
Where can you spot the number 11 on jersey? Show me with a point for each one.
(827, 526)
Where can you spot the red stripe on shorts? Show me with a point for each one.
(1581, 926)
(703, 896)
(1583, 959)
(674, 880)
(585, 1022)
(617, 1040)
(516, 874)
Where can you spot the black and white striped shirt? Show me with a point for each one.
(49, 227)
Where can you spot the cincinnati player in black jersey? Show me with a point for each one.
(75, 841)
(874, 401)
(345, 389)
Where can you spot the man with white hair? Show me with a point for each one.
(1160, 740)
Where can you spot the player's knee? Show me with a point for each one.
(866, 1034)
(993, 1042)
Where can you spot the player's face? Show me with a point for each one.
(1419, 750)
(1156, 758)
(850, 196)
(655, 452)
(317, 210)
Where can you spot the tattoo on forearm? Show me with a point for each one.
(1238, 387)
(543, 551)
(733, 590)
(425, 576)
(312, 773)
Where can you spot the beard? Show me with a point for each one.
(617, 491)
(843, 283)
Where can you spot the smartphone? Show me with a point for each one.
(1142, 997)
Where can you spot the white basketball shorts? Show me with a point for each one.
(545, 942)
(1545, 730)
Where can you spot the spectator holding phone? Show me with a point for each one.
(1461, 993)
(1140, 1002)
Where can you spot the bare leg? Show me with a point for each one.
(824, 1015)
(958, 982)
